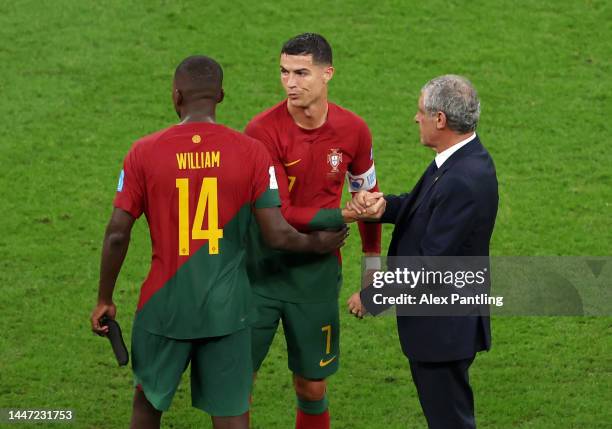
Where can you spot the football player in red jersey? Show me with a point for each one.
(199, 184)
(314, 145)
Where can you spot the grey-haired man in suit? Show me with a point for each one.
(450, 212)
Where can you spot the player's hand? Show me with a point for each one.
(363, 200)
(328, 241)
(354, 305)
(349, 215)
(376, 209)
(367, 205)
(102, 309)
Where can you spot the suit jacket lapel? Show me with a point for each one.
(412, 205)
(424, 193)
(416, 191)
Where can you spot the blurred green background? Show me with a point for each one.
(81, 80)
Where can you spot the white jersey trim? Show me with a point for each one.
(273, 182)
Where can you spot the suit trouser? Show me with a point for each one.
(445, 393)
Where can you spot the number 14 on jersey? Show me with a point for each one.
(207, 200)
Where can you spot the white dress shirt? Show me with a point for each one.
(445, 154)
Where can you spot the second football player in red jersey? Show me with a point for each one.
(199, 184)
(314, 145)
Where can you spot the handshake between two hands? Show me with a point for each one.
(364, 206)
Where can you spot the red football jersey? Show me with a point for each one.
(196, 184)
(311, 166)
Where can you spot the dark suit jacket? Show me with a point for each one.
(454, 216)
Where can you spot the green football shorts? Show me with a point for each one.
(312, 334)
(221, 370)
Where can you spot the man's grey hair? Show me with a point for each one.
(456, 97)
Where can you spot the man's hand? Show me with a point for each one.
(367, 205)
(102, 309)
(349, 215)
(354, 305)
(328, 241)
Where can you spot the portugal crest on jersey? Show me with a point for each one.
(334, 159)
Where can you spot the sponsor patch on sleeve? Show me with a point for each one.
(120, 184)
(362, 182)
(273, 182)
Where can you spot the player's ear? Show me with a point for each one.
(328, 73)
(177, 100)
(221, 96)
(440, 120)
(177, 97)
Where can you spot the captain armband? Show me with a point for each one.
(362, 182)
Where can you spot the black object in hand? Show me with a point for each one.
(116, 340)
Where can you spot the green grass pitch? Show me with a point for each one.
(81, 80)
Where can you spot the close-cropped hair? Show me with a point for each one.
(200, 69)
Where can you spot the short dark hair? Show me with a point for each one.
(199, 72)
(309, 44)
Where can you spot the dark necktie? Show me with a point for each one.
(429, 177)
